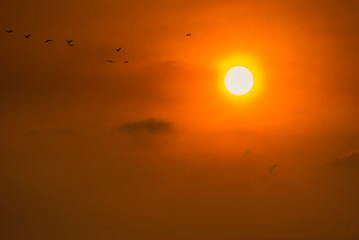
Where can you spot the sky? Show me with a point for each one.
(158, 148)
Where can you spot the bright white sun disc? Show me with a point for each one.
(239, 80)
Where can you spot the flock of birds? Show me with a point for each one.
(71, 44)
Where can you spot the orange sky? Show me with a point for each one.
(157, 148)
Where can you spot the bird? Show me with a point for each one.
(188, 35)
(272, 168)
(118, 49)
(48, 40)
(69, 41)
(9, 31)
(110, 61)
(125, 62)
(27, 36)
(71, 45)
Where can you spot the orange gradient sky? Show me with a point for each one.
(158, 148)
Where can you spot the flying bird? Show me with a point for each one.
(188, 35)
(27, 36)
(69, 41)
(48, 40)
(125, 62)
(110, 61)
(118, 49)
(272, 168)
(9, 31)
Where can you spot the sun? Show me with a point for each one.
(239, 80)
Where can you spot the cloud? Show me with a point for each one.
(351, 161)
(149, 125)
(345, 174)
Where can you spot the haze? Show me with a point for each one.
(156, 148)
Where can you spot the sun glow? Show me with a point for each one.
(239, 80)
(249, 63)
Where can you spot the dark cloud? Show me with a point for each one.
(149, 125)
(351, 161)
(345, 171)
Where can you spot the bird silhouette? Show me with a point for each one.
(70, 44)
(272, 168)
(188, 35)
